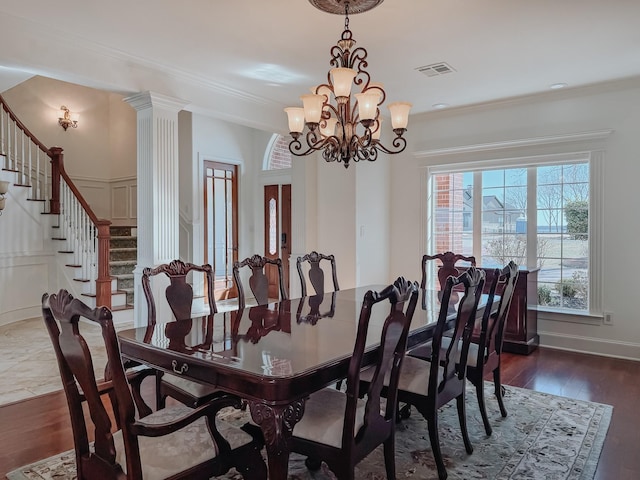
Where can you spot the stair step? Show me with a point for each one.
(123, 242)
(125, 253)
(125, 281)
(120, 231)
(122, 266)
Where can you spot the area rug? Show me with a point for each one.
(544, 437)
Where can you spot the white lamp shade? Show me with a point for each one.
(376, 133)
(75, 116)
(329, 127)
(312, 107)
(2, 203)
(342, 80)
(367, 105)
(4, 187)
(296, 119)
(399, 114)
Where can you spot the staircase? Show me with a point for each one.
(81, 239)
(123, 257)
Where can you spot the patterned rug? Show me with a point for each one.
(544, 437)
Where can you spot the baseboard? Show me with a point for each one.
(20, 314)
(593, 346)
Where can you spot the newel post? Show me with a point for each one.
(56, 167)
(103, 282)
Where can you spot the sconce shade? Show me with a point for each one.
(4, 187)
(2, 204)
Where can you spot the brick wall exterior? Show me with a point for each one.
(448, 213)
(280, 156)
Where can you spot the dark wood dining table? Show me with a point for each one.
(275, 355)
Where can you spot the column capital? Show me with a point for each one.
(146, 100)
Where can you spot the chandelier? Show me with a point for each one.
(344, 127)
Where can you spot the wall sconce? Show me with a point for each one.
(4, 188)
(67, 119)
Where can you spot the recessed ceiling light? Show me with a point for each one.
(556, 86)
(440, 105)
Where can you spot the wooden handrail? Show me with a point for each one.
(103, 281)
(21, 126)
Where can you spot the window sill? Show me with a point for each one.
(571, 316)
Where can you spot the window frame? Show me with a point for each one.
(587, 146)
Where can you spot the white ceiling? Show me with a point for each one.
(244, 60)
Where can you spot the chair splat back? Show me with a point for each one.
(76, 369)
(341, 428)
(473, 282)
(489, 344)
(179, 293)
(449, 260)
(403, 296)
(180, 296)
(258, 281)
(316, 274)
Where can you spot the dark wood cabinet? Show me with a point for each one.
(521, 331)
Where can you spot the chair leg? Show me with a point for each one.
(251, 466)
(483, 408)
(462, 416)
(432, 423)
(499, 391)
(390, 457)
(313, 464)
(161, 398)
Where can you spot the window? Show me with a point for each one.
(537, 214)
(278, 156)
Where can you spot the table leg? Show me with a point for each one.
(277, 422)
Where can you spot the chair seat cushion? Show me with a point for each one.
(414, 375)
(323, 418)
(424, 351)
(162, 457)
(194, 389)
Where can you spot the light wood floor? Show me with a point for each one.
(39, 427)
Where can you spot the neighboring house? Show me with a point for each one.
(497, 217)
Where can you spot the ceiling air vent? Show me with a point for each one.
(435, 69)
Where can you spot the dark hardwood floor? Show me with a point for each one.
(39, 427)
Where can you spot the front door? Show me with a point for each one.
(277, 233)
(221, 224)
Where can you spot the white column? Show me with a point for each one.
(158, 220)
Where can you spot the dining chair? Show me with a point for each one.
(176, 442)
(448, 267)
(485, 348)
(258, 281)
(315, 273)
(341, 428)
(484, 354)
(430, 385)
(179, 297)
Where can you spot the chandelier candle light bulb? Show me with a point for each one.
(341, 126)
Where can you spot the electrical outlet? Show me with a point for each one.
(607, 318)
